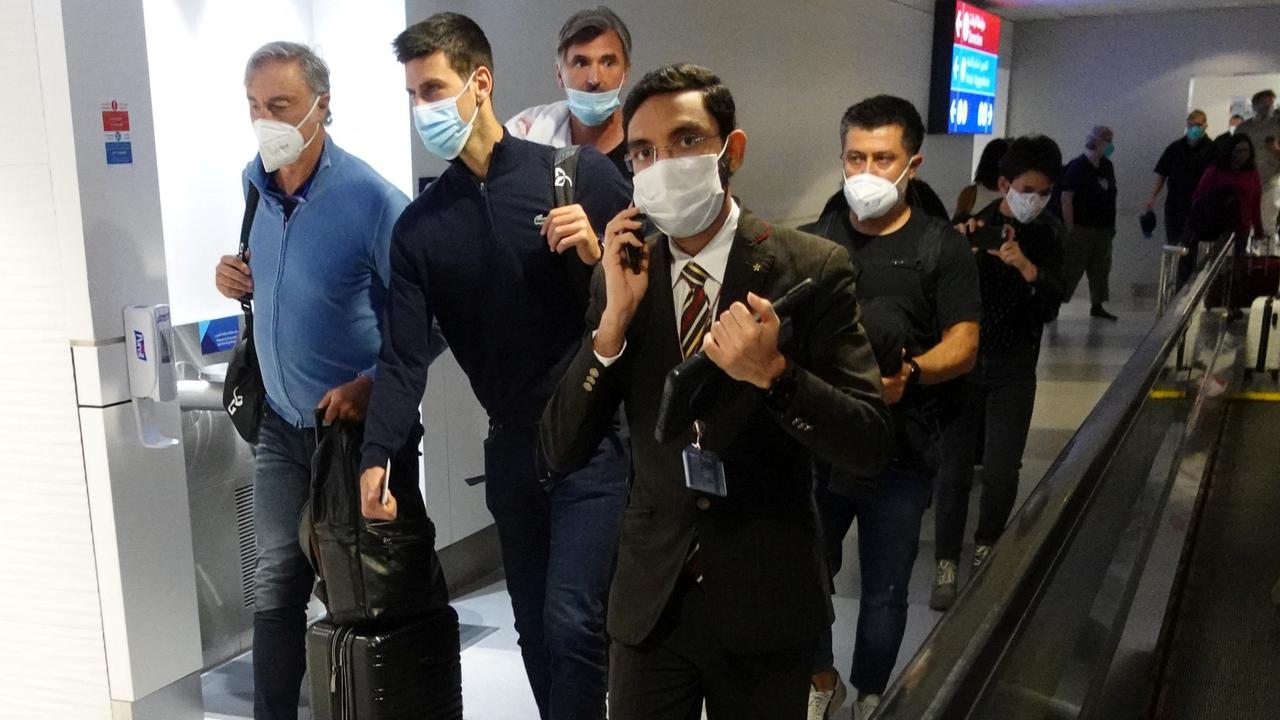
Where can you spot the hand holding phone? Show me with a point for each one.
(635, 253)
(988, 237)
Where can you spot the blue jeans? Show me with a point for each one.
(1000, 395)
(558, 549)
(888, 516)
(282, 576)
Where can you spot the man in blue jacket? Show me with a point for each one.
(319, 247)
(506, 274)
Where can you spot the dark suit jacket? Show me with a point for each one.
(762, 571)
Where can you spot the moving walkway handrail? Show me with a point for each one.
(948, 673)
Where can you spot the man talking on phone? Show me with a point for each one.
(719, 594)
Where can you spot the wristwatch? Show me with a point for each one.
(783, 390)
(913, 376)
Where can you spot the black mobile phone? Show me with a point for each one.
(635, 253)
(987, 237)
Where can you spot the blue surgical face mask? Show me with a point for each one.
(1195, 133)
(592, 108)
(441, 127)
(1109, 149)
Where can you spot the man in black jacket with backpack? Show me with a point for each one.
(925, 270)
(494, 253)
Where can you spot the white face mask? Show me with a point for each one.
(1026, 206)
(871, 196)
(280, 143)
(682, 196)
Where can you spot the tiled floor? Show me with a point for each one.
(1080, 358)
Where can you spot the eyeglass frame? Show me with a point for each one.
(630, 159)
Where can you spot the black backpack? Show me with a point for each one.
(564, 174)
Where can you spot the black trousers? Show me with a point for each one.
(668, 676)
(1000, 395)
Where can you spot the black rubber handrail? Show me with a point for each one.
(948, 673)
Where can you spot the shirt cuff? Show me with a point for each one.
(374, 456)
(604, 361)
(370, 372)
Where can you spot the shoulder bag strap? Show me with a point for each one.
(250, 207)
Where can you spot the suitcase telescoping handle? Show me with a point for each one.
(1260, 363)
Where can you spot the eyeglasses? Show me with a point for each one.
(642, 157)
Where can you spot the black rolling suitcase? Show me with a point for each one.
(412, 671)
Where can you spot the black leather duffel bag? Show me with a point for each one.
(369, 571)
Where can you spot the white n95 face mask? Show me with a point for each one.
(280, 143)
(1026, 206)
(871, 196)
(682, 196)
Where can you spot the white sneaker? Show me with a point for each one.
(825, 703)
(980, 555)
(865, 707)
(944, 585)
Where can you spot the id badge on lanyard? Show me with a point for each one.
(703, 470)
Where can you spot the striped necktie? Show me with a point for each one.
(695, 314)
(695, 320)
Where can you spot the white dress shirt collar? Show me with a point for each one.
(713, 258)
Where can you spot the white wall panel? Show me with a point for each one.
(138, 502)
(52, 663)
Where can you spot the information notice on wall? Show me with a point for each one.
(115, 128)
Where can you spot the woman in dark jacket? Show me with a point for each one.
(1019, 253)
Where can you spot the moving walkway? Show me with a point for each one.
(1135, 581)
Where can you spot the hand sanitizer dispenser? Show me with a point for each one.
(152, 380)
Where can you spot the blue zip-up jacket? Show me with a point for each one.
(468, 254)
(320, 279)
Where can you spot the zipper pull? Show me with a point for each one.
(333, 680)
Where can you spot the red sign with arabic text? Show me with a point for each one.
(115, 120)
(977, 29)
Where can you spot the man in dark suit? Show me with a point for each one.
(717, 596)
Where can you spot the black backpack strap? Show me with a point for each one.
(927, 254)
(250, 208)
(564, 174)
